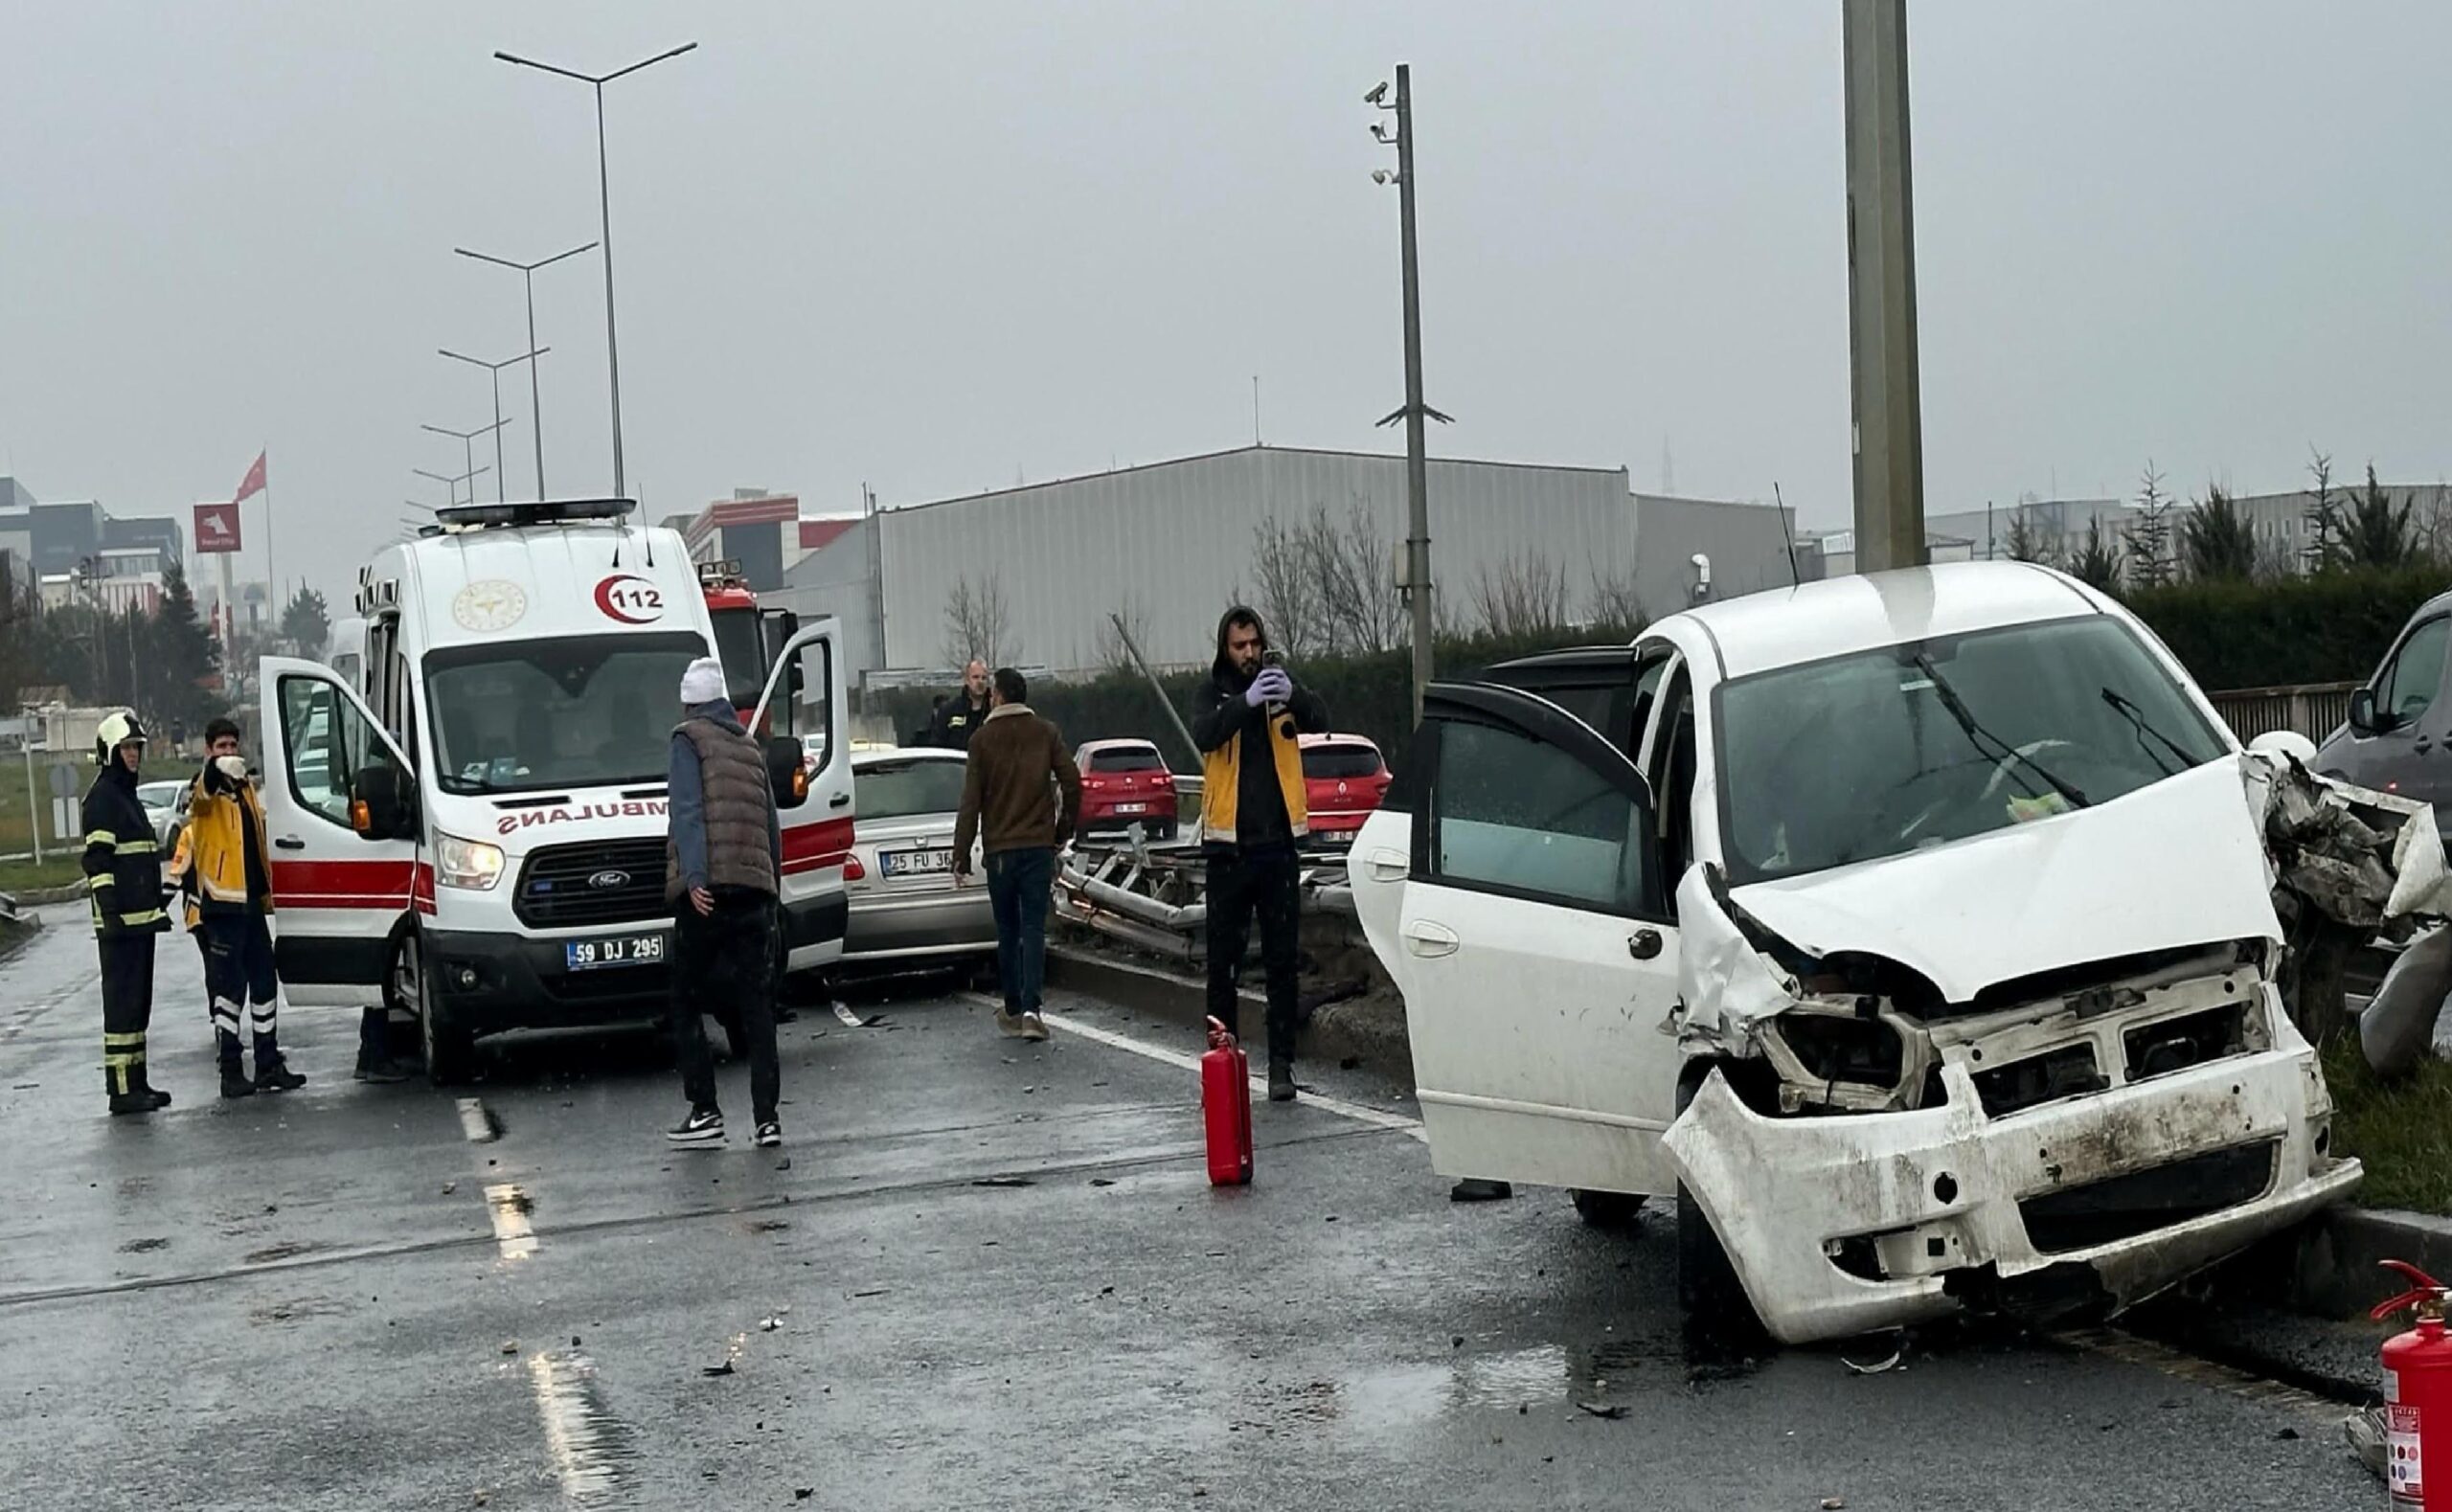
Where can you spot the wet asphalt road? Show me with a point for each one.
(338, 1299)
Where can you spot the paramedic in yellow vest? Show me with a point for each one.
(1252, 815)
(229, 876)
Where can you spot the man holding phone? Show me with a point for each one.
(1246, 720)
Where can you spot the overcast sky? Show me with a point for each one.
(941, 247)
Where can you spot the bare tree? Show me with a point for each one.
(1112, 654)
(2323, 516)
(1614, 603)
(1353, 581)
(1287, 598)
(1525, 595)
(978, 627)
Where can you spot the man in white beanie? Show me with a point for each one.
(723, 856)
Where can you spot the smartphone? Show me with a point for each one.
(1272, 658)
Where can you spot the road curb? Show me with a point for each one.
(1336, 1031)
(2336, 1267)
(41, 896)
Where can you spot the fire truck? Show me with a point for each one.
(747, 638)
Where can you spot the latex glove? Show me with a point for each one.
(1272, 686)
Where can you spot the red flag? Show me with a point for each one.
(254, 482)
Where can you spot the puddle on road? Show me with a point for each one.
(593, 1452)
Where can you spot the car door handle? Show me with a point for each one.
(1387, 865)
(839, 800)
(1422, 937)
(289, 842)
(1644, 944)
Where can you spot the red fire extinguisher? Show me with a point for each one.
(2418, 1391)
(1226, 1108)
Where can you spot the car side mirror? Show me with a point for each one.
(379, 807)
(788, 771)
(2365, 718)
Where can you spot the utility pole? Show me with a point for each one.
(1889, 427)
(535, 403)
(494, 369)
(1415, 413)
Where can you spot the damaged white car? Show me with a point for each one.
(1915, 930)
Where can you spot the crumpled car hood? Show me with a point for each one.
(2178, 864)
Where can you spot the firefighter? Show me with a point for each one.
(228, 875)
(123, 877)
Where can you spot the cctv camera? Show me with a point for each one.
(1379, 132)
(1378, 92)
(1380, 175)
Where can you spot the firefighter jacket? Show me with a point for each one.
(122, 858)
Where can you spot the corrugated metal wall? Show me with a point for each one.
(1172, 542)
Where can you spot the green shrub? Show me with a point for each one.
(2331, 627)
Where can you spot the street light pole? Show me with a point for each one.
(493, 370)
(452, 484)
(604, 211)
(535, 404)
(1883, 386)
(469, 445)
(1416, 413)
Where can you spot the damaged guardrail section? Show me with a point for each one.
(1916, 1101)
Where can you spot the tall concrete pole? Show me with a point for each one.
(1417, 445)
(1889, 430)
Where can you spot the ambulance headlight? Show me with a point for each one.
(466, 863)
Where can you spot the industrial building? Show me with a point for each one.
(1167, 546)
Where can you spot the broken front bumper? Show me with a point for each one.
(1845, 1224)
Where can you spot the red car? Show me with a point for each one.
(1342, 779)
(1125, 782)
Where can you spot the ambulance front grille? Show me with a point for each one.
(604, 882)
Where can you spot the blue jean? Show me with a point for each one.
(1018, 882)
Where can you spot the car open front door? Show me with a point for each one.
(804, 698)
(1535, 949)
(344, 871)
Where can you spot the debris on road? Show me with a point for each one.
(511, 1347)
(1612, 1411)
(724, 1368)
(1005, 1181)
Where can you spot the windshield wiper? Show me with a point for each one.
(2003, 751)
(2137, 720)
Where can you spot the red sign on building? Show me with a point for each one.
(216, 527)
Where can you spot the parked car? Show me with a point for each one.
(166, 805)
(2398, 736)
(1125, 782)
(903, 901)
(1913, 931)
(1344, 777)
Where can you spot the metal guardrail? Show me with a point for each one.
(2314, 709)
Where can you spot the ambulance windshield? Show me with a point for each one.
(577, 712)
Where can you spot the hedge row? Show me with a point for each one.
(2332, 627)
(2329, 628)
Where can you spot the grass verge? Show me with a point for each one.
(2401, 1129)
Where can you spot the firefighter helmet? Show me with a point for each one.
(116, 731)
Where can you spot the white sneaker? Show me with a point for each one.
(1013, 1025)
(1033, 1027)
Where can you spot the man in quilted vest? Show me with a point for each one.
(723, 855)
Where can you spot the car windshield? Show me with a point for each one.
(1340, 761)
(159, 795)
(740, 645)
(1884, 751)
(907, 789)
(577, 712)
(1127, 758)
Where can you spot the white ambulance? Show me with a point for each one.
(472, 829)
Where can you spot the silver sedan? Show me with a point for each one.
(904, 905)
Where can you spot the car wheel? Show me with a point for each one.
(1607, 1209)
(450, 1051)
(1719, 1322)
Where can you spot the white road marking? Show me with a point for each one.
(1067, 1024)
(514, 1234)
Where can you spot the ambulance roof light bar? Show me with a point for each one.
(549, 511)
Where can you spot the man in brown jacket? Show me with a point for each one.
(723, 858)
(1015, 756)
